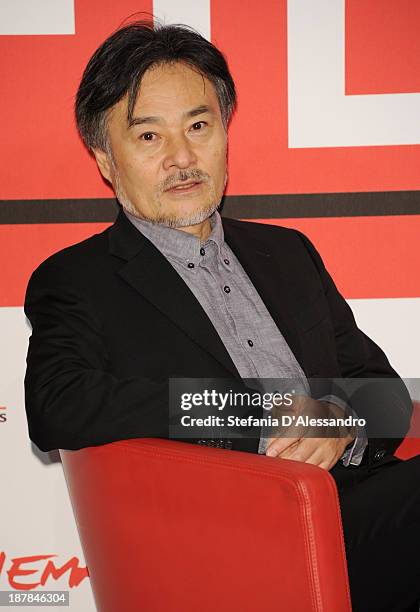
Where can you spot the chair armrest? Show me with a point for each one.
(186, 527)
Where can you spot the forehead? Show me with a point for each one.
(174, 80)
(168, 90)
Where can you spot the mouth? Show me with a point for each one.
(184, 187)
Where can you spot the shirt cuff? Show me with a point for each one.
(354, 454)
(262, 447)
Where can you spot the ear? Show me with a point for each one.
(104, 163)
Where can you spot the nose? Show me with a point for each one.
(179, 153)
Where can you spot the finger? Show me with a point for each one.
(279, 445)
(324, 455)
(288, 452)
(319, 459)
(328, 465)
(303, 451)
(330, 453)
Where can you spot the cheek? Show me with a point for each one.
(219, 165)
(139, 177)
(217, 158)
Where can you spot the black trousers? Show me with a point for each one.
(380, 508)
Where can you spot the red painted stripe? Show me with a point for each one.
(410, 446)
(24, 247)
(382, 46)
(368, 257)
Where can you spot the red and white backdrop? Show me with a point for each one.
(326, 139)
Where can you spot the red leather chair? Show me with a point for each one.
(173, 527)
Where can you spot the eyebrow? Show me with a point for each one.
(198, 110)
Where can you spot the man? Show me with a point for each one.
(173, 291)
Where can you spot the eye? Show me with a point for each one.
(147, 136)
(198, 125)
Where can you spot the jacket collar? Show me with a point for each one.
(151, 274)
(125, 241)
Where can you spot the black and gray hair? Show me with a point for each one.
(118, 65)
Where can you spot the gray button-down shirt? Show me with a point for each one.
(233, 305)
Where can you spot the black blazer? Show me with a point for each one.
(112, 321)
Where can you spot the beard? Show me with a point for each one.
(172, 219)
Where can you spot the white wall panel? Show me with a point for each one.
(37, 17)
(394, 325)
(195, 14)
(320, 114)
(36, 514)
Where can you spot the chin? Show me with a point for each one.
(187, 218)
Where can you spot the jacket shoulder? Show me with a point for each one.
(81, 258)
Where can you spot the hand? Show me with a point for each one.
(321, 445)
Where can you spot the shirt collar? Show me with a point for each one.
(177, 244)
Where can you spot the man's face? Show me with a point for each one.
(169, 165)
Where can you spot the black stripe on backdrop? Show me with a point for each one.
(245, 207)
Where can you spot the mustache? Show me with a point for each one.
(182, 176)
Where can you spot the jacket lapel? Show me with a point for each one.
(265, 272)
(150, 273)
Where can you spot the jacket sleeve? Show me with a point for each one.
(373, 388)
(72, 400)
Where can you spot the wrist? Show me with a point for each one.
(347, 434)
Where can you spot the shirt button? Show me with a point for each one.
(250, 343)
(227, 262)
(202, 251)
(226, 289)
(191, 265)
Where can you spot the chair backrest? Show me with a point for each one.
(170, 526)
